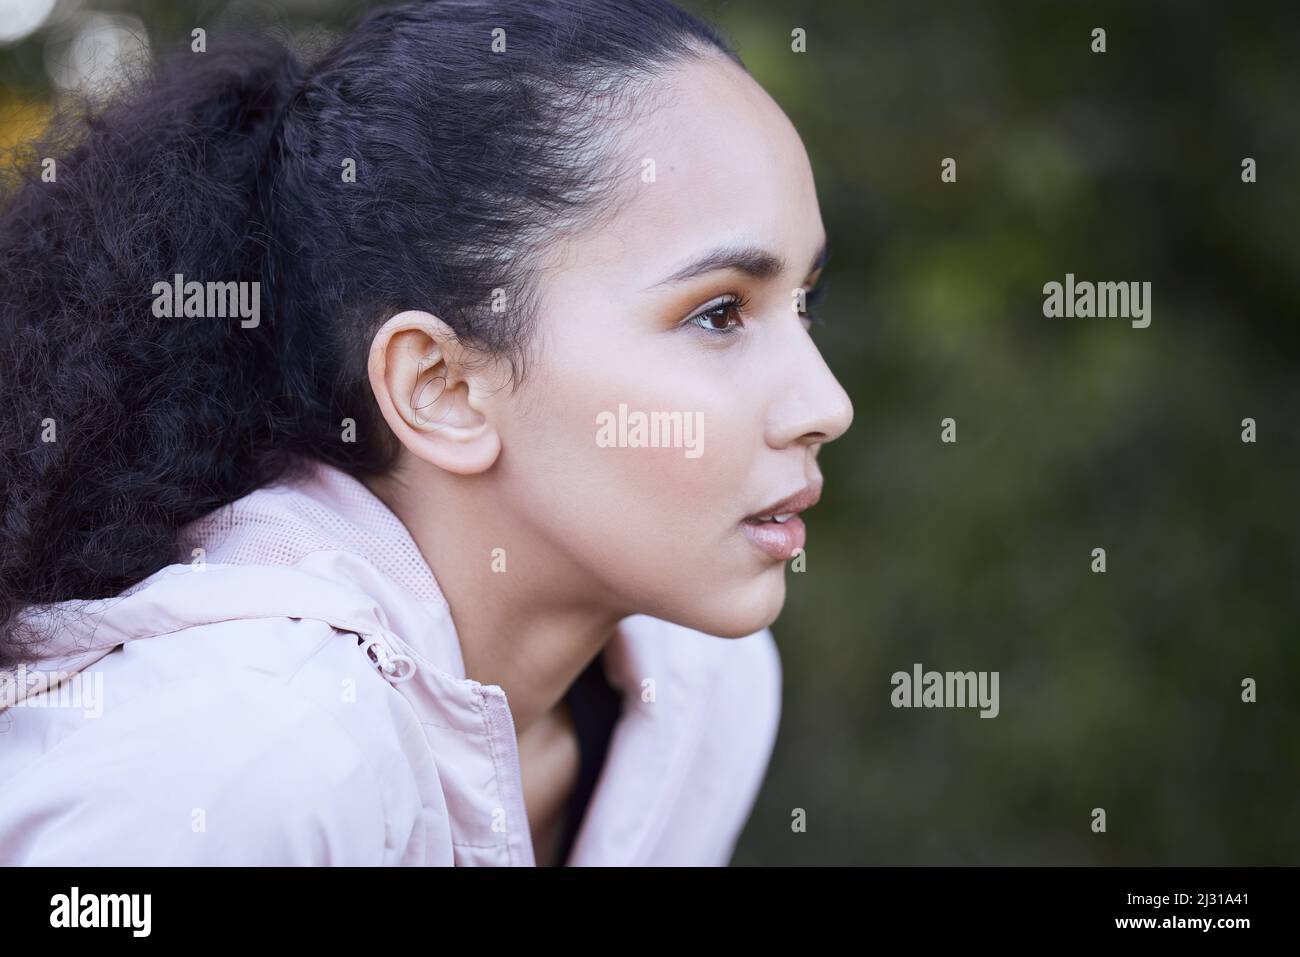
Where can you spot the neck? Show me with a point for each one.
(531, 628)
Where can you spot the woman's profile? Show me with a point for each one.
(403, 452)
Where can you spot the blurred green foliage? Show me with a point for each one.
(1119, 690)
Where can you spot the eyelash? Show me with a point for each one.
(740, 303)
(729, 302)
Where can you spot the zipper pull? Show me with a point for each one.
(388, 663)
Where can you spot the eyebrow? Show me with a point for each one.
(751, 260)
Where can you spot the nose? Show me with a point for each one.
(809, 407)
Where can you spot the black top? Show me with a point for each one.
(596, 707)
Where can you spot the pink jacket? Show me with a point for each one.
(294, 693)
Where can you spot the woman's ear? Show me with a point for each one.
(431, 399)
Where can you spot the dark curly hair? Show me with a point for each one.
(121, 426)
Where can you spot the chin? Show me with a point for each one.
(738, 611)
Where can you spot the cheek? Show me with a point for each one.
(657, 526)
(588, 441)
(676, 436)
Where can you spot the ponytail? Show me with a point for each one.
(121, 421)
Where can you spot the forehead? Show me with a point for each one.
(713, 161)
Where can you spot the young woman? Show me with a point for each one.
(402, 454)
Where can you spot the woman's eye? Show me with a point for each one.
(723, 319)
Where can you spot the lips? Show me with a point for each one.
(806, 497)
(777, 530)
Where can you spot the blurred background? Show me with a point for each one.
(1119, 690)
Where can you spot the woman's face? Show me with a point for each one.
(662, 530)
